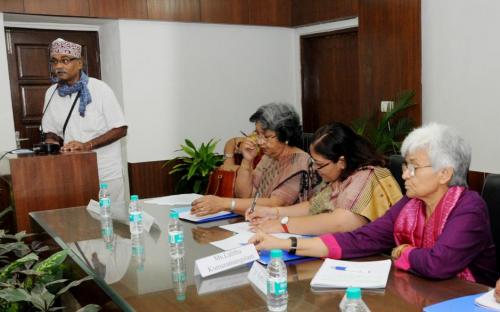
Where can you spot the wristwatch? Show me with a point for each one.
(293, 247)
(284, 224)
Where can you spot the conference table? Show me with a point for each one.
(144, 283)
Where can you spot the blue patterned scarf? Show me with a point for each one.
(64, 89)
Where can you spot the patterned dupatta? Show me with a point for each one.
(412, 228)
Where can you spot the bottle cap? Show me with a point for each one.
(103, 185)
(181, 297)
(134, 197)
(353, 293)
(276, 253)
(174, 214)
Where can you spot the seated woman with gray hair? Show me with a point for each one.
(439, 230)
(280, 176)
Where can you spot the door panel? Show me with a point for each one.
(29, 72)
(330, 81)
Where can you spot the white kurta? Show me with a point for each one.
(101, 115)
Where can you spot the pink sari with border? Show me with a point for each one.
(412, 228)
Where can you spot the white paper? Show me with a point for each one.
(487, 300)
(240, 227)
(148, 220)
(232, 242)
(181, 199)
(186, 215)
(258, 277)
(225, 260)
(369, 274)
(244, 227)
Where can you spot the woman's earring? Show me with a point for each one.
(286, 142)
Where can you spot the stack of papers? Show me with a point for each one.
(343, 274)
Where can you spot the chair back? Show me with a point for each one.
(395, 163)
(491, 195)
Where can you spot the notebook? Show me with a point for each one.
(343, 274)
(265, 256)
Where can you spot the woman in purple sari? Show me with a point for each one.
(439, 230)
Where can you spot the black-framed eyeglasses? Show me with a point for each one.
(64, 60)
(412, 168)
(319, 167)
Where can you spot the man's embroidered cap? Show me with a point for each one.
(61, 46)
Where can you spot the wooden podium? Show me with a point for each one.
(44, 182)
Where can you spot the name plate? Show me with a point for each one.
(258, 277)
(225, 260)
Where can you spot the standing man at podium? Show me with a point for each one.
(83, 114)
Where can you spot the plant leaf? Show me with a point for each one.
(14, 294)
(90, 308)
(73, 284)
(52, 262)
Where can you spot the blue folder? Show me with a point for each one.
(265, 257)
(465, 304)
(208, 219)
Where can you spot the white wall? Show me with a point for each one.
(460, 73)
(199, 81)
(7, 139)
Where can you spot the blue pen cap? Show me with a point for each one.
(353, 293)
(276, 253)
(103, 185)
(174, 214)
(134, 197)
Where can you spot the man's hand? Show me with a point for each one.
(75, 146)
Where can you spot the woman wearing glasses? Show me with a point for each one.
(279, 178)
(439, 230)
(356, 189)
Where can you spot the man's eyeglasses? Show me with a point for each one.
(319, 167)
(412, 168)
(64, 61)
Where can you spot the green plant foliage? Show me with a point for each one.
(387, 133)
(28, 283)
(196, 167)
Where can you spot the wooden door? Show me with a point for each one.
(29, 72)
(330, 81)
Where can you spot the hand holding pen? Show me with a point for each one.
(254, 202)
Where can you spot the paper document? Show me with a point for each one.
(258, 277)
(343, 274)
(244, 227)
(186, 215)
(487, 300)
(181, 199)
(232, 242)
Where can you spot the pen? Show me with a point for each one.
(346, 269)
(241, 131)
(252, 207)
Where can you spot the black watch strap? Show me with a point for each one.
(293, 248)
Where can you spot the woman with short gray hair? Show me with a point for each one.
(439, 230)
(279, 178)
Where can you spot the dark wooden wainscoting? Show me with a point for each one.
(151, 179)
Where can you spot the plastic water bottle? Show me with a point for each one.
(138, 253)
(352, 301)
(178, 267)
(106, 222)
(135, 216)
(103, 191)
(277, 290)
(175, 236)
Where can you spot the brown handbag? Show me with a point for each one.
(221, 183)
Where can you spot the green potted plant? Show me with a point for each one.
(28, 282)
(196, 167)
(388, 132)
